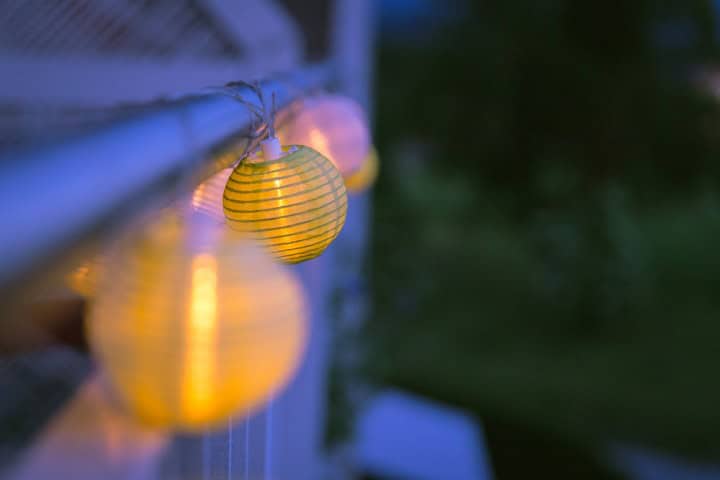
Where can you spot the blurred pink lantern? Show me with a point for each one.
(333, 125)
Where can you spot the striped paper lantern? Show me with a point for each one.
(294, 205)
(335, 126)
(366, 176)
(193, 329)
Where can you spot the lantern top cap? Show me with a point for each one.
(271, 148)
(259, 158)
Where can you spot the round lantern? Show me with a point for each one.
(207, 198)
(295, 205)
(193, 331)
(333, 125)
(366, 176)
(84, 278)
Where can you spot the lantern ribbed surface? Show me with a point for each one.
(366, 176)
(335, 126)
(295, 205)
(191, 333)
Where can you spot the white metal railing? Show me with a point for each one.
(56, 194)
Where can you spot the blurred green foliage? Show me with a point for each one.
(552, 262)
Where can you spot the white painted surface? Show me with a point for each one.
(403, 436)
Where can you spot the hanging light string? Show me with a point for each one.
(263, 117)
(207, 197)
(258, 117)
(264, 113)
(268, 115)
(271, 148)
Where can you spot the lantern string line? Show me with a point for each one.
(268, 111)
(262, 118)
(257, 128)
(273, 112)
(267, 114)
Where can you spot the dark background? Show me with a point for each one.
(545, 225)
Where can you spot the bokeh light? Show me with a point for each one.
(365, 177)
(207, 197)
(335, 126)
(192, 330)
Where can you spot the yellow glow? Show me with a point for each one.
(201, 332)
(192, 334)
(295, 206)
(366, 176)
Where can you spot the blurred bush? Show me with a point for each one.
(543, 236)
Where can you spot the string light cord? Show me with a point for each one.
(258, 127)
(271, 147)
